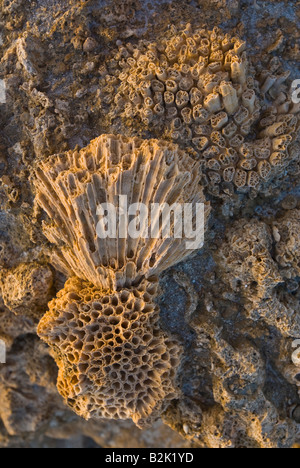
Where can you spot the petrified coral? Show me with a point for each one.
(114, 360)
(253, 275)
(71, 187)
(27, 289)
(198, 88)
(288, 243)
(233, 383)
(247, 264)
(260, 422)
(237, 378)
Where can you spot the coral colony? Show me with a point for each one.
(222, 126)
(114, 360)
(126, 137)
(198, 88)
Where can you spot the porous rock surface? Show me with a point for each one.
(234, 307)
(27, 289)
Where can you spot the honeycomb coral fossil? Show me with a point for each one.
(198, 88)
(71, 186)
(114, 360)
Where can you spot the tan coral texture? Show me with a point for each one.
(198, 88)
(27, 289)
(114, 360)
(71, 186)
(288, 243)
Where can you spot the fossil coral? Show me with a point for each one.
(248, 265)
(72, 185)
(198, 88)
(27, 288)
(114, 360)
(288, 243)
(253, 275)
(237, 375)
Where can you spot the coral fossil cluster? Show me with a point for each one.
(114, 360)
(269, 289)
(199, 87)
(250, 271)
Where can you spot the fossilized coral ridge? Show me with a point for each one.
(71, 186)
(114, 360)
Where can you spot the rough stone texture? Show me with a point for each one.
(27, 289)
(238, 373)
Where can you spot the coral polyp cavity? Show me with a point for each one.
(199, 89)
(114, 360)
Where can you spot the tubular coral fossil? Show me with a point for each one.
(114, 360)
(198, 88)
(72, 185)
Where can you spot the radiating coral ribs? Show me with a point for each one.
(171, 176)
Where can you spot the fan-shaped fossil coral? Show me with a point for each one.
(114, 360)
(198, 88)
(71, 186)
